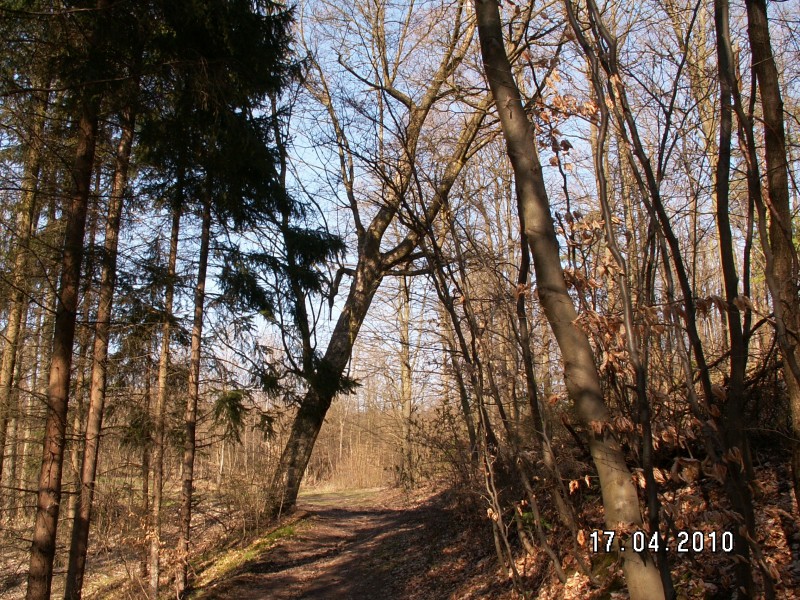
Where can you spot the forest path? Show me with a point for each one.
(358, 545)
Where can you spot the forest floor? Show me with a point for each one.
(386, 544)
(378, 544)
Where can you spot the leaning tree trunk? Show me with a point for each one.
(372, 263)
(620, 500)
(369, 273)
(154, 532)
(311, 414)
(190, 418)
(784, 256)
(97, 394)
(49, 497)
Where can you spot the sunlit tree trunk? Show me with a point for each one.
(15, 404)
(49, 497)
(160, 408)
(18, 303)
(406, 399)
(83, 341)
(620, 499)
(633, 340)
(311, 414)
(97, 393)
(190, 418)
(43, 322)
(148, 392)
(373, 263)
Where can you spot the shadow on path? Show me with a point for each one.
(341, 553)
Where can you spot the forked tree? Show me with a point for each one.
(405, 115)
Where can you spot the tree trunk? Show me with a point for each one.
(97, 394)
(16, 412)
(315, 404)
(145, 507)
(406, 460)
(18, 302)
(160, 408)
(524, 337)
(43, 548)
(83, 339)
(190, 419)
(372, 264)
(450, 357)
(633, 340)
(784, 256)
(620, 499)
(43, 322)
(733, 406)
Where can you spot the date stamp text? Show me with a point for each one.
(684, 542)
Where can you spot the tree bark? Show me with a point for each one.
(620, 499)
(190, 418)
(18, 304)
(145, 507)
(97, 394)
(17, 412)
(781, 229)
(633, 339)
(49, 497)
(733, 406)
(370, 271)
(317, 401)
(83, 341)
(160, 408)
(406, 398)
(43, 322)
(372, 264)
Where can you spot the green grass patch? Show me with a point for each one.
(234, 559)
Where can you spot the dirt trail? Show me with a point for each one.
(351, 546)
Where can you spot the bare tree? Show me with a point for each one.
(395, 179)
(784, 265)
(619, 494)
(19, 301)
